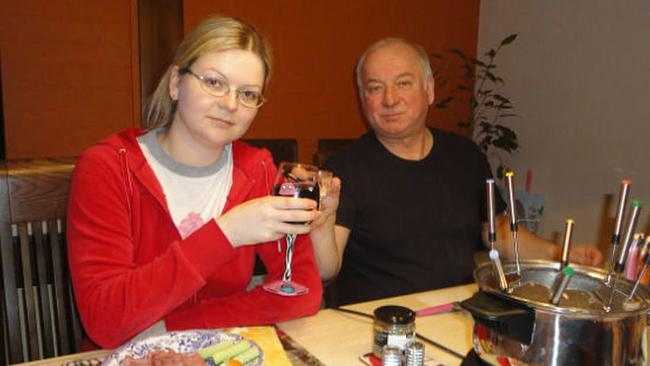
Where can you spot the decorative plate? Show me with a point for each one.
(182, 342)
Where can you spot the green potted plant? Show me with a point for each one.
(479, 83)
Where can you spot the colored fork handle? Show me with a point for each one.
(436, 309)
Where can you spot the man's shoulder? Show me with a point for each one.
(352, 154)
(455, 142)
(451, 137)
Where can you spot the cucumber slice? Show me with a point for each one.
(208, 351)
(230, 352)
(248, 355)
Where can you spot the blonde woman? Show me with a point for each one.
(164, 224)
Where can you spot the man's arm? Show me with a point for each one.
(329, 239)
(532, 246)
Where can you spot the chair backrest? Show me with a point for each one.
(39, 314)
(282, 149)
(327, 148)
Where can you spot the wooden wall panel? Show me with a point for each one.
(316, 45)
(71, 69)
(68, 74)
(160, 31)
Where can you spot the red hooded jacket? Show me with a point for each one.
(130, 268)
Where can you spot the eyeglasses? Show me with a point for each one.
(219, 87)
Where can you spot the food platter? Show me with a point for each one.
(181, 342)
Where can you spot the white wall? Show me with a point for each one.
(579, 76)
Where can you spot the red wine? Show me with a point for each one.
(298, 190)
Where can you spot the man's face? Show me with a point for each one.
(395, 93)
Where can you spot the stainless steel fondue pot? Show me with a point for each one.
(524, 328)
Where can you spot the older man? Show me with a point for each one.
(412, 205)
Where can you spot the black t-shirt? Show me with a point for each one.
(415, 225)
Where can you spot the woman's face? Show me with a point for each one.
(210, 120)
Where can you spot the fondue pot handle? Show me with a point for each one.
(503, 315)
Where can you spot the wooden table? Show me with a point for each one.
(338, 338)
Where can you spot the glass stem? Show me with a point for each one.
(291, 238)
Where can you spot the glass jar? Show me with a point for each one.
(394, 326)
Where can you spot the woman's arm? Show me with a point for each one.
(329, 239)
(117, 297)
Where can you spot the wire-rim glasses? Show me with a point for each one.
(218, 86)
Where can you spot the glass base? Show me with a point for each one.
(286, 288)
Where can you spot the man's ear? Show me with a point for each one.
(431, 86)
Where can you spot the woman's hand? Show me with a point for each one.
(266, 219)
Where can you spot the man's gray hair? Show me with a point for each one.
(423, 57)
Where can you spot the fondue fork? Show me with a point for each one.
(646, 262)
(439, 309)
(513, 217)
(568, 231)
(492, 233)
(644, 248)
(492, 238)
(623, 195)
(501, 275)
(622, 256)
(563, 283)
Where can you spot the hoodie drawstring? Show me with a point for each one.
(128, 182)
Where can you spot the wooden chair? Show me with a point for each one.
(327, 148)
(282, 149)
(39, 318)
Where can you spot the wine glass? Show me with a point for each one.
(324, 183)
(300, 181)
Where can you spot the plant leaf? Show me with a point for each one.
(459, 53)
(479, 62)
(509, 39)
(507, 139)
(501, 170)
(444, 103)
(501, 98)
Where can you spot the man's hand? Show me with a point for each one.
(328, 205)
(328, 251)
(586, 254)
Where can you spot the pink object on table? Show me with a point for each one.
(529, 180)
(436, 309)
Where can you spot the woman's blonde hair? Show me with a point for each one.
(218, 33)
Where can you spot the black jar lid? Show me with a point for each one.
(394, 314)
